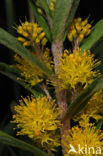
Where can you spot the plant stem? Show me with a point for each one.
(76, 45)
(44, 88)
(57, 48)
(62, 103)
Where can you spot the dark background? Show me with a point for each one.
(8, 19)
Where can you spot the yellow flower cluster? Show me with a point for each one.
(94, 106)
(77, 68)
(38, 119)
(52, 4)
(31, 32)
(84, 137)
(30, 72)
(78, 30)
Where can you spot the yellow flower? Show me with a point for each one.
(38, 119)
(47, 59)
(31, 32)
(84, 137)
(77, 69)
(94, 106)
(30, 72)
(78, 30)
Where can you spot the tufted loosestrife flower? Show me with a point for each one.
(38, 119)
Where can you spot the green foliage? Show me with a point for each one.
(11, 42)
(71, 16)
(99, 124)
(98, 51)
(9, 140)
(10, 14)
(40, 19)
(63, 15)
(95, 39)
(81, 100)
(9, 129)
(14, 74)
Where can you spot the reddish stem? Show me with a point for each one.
(44, 87)
(76, 44)
(61, 95)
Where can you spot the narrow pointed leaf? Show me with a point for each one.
(95, 38)
(9, 140)
(9, 41)
(71, 16)
(40, 19)
(63, 15)
(99, 124)
(83, 98)
(94, 42)
(13, 74)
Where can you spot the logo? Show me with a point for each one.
(85, 150)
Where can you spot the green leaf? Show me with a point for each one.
(10, 14)
(81, 100)
(6, 127)
(9, 140)
(13, 74)
(71, 16)
(11, 42)
(63, 15)
(99, 124)
(41, 20)
(98, 51)
(95, 38)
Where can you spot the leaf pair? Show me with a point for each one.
(58, 25)
(63, 15)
